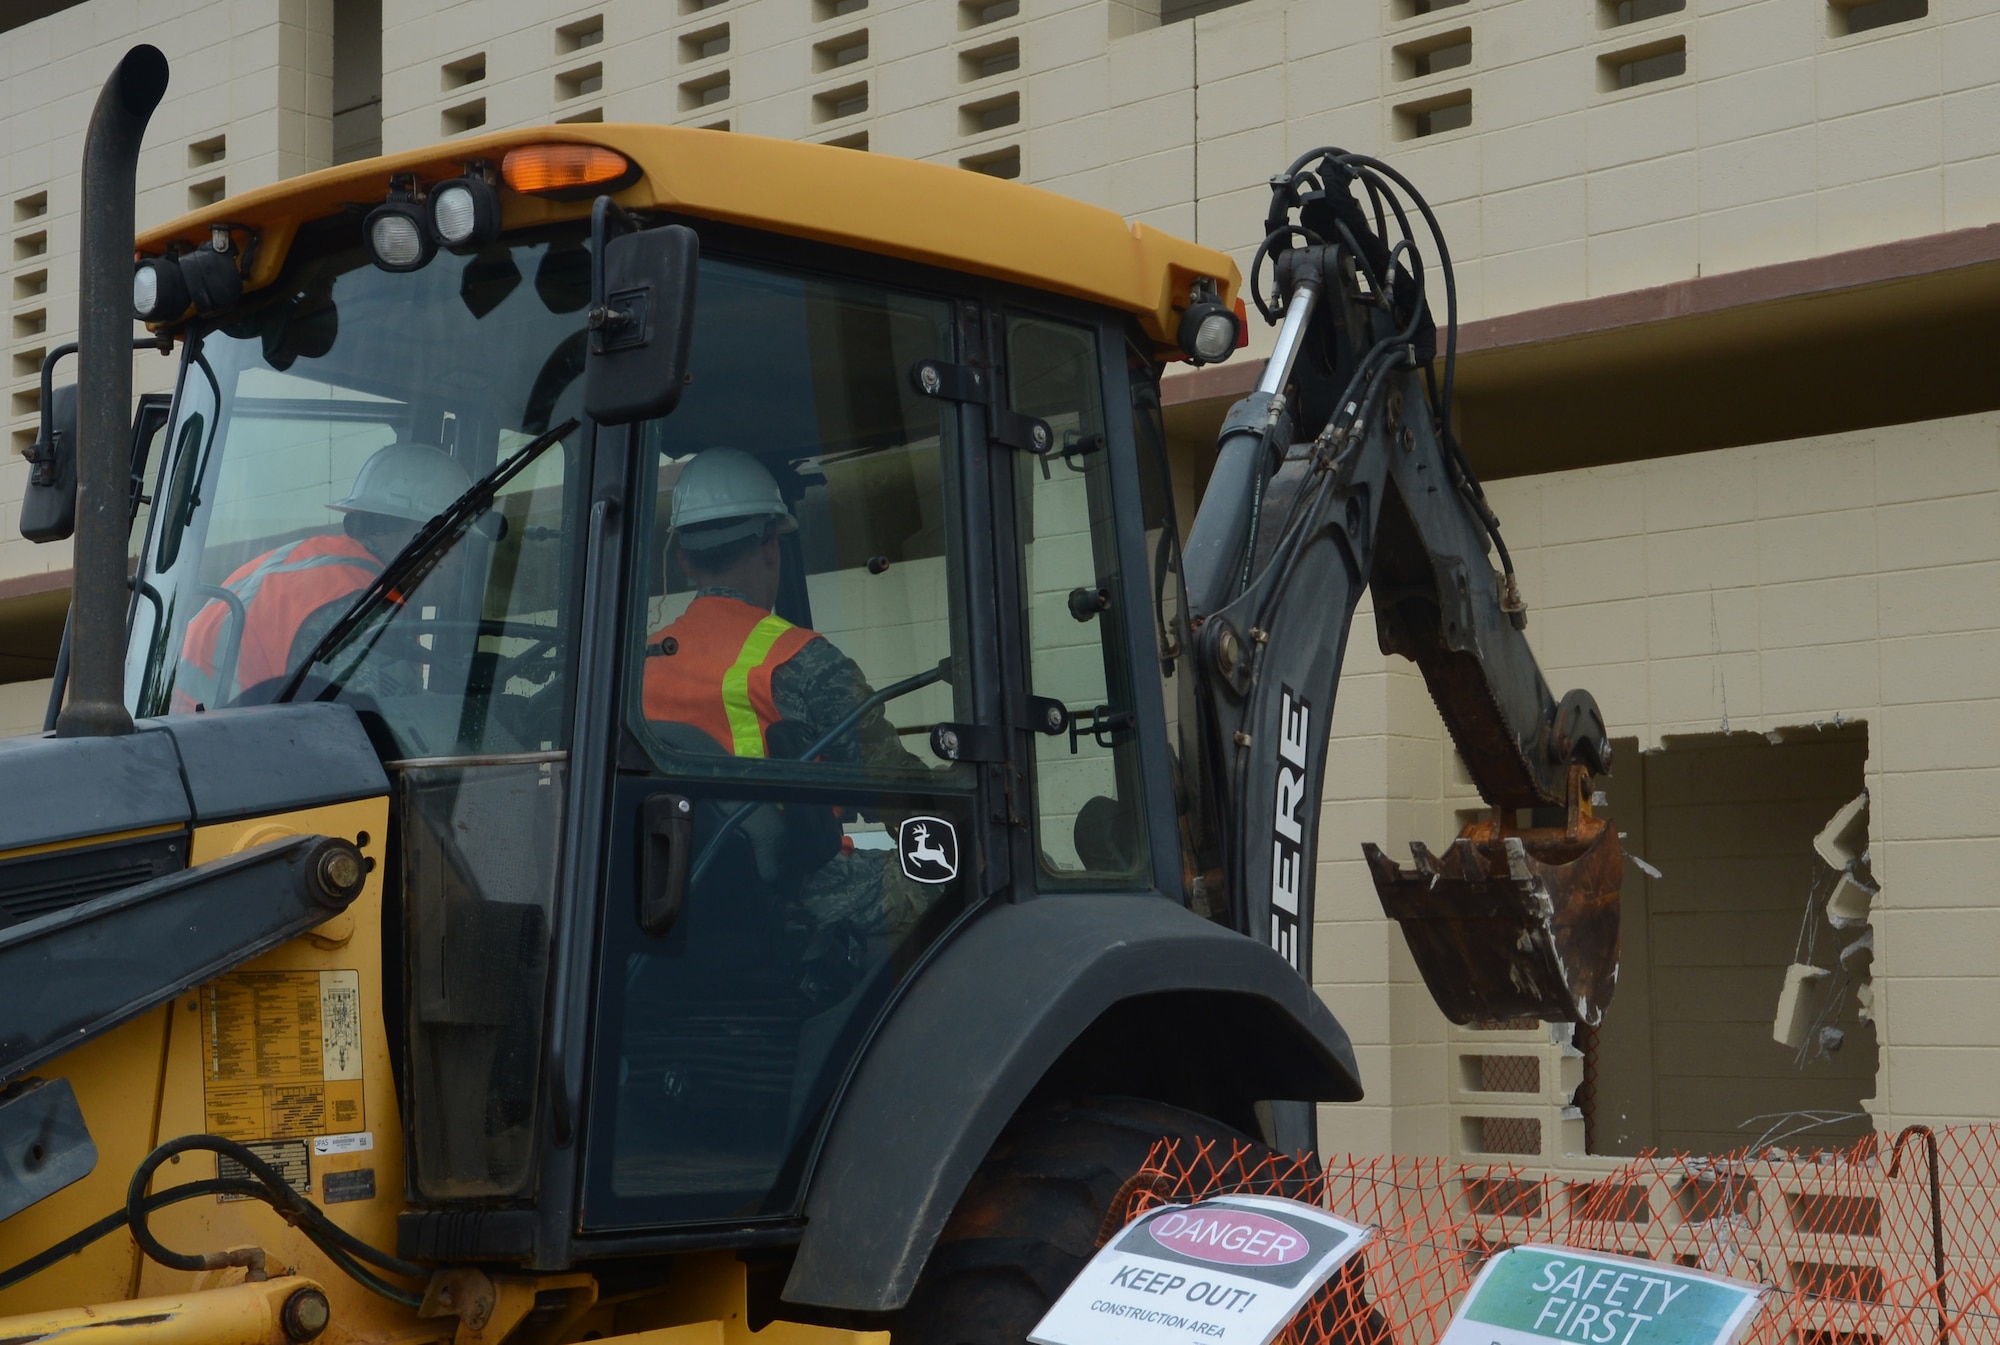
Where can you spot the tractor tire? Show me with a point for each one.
(1030, 1217)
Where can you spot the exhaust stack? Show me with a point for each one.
(99, 602)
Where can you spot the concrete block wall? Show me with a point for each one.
(250, 102)
(1778, 139)
(1775, 137)
(1771, 588)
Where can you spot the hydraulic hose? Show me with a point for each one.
(264, 1183)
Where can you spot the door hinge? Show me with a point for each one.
(969, 742)
(988, 742)
(964, 383)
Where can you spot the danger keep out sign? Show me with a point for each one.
(1534, 1295)
(1234, 1270)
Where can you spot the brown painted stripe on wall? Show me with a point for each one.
(1879, 264)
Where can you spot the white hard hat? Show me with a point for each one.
(723, 496)
(412, 481)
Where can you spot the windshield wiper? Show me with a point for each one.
(424, 550)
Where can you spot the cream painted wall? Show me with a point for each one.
(1853, 575)
(1778, 142)
(1770, 588)
(254, 75)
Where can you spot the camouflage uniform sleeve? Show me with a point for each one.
(819, 686)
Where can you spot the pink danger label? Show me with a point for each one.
(1229, 1237)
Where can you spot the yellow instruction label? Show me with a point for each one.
(282, 1054)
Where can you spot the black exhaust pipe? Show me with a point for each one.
(99, 597)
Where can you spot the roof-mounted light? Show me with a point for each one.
(465, 213)
(159, 294)
(396, 233)
(206, 278)
(565, 171)
(1210, 331)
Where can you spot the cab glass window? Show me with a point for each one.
(313, 437)
(801, 556)
(796, 632)
(1088, 812)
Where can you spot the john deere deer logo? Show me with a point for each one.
(929, 849)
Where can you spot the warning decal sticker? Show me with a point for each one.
(282, 1054)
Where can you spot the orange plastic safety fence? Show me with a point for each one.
(1890, 1242)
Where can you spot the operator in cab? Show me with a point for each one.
(732, 672)
(293, 594)
(731, 666)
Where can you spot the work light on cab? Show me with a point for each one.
(397, 233)
(159, 294)
(206, 278)
(567, 171)
(465, 213)
(1210, 330)
(213, 281)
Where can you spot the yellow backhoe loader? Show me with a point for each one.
(666, 772)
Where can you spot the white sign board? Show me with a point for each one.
(1534, 1295)
(1228, 1271)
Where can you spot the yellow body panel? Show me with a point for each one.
(265, 1028)
(903, 208)
(272, 1093)
(117, 1082)
(242, 1314)
(144, 1083)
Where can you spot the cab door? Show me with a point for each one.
(784, 844)
(1074, 520)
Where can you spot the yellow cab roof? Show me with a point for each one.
(919, 212)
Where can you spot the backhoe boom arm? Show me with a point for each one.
(1338, 474)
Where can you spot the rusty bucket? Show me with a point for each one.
(1513, 923)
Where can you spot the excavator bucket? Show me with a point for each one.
(1512, 923)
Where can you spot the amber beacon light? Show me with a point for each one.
(566, 170)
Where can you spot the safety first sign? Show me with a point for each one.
(1228, 1271)
(1534, 1295)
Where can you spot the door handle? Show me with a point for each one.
(666, 832)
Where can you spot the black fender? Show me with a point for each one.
(1018, 992)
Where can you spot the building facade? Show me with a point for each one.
(1729, 274)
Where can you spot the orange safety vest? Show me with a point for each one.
(718, 677)
(278, 590)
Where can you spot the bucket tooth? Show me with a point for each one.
(1471, 866)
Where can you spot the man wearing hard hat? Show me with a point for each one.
(731, 666)
(734, 669)
(291, 595)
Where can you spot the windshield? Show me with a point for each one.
(312, 437)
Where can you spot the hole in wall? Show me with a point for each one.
(1433, 54)
(1434, 116)
(1686, 1059)
(1847, 20)
(579, 34)
(463, 71)
(1649, 64)
(1618, 13)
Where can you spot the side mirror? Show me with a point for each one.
(641, 319)
(48, 507)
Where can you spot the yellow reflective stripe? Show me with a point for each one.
(744, 730)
